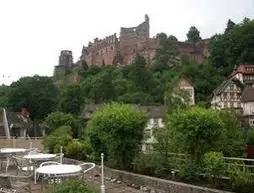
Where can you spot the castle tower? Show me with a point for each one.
(65, 58)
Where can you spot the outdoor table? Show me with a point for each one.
(58, 169)
(12, 150)
(39, 157)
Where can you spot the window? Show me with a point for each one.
(231, 86)
(238, 104)
(226, 105)
(232, 95)
(251, 121)
(148, 147)
(156, 121)
(231, 105)
(225, 95)
(238, 95)
(150, 121)
(111, 48)
(148, 134)
(252, 110)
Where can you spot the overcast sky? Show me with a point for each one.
(33, 32)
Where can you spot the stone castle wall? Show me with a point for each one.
(133, 41)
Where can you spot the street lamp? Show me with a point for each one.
(102, 174)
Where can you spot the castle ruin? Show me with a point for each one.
(121, 50)
(132, 41)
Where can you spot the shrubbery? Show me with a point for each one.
(149, 164)
(76, 150)
(72, 186)
(59, 137)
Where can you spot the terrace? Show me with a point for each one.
(16, 158)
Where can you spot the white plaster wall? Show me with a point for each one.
(248, 108)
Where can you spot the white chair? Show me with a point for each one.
(5, 159)
(32, 151)
(23, 165)
(59, 157)
(50, 163)
(87, 169)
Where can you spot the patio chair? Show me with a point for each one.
(49, 163)
(5, 159)
(59, 157)
(23, 165)
(15, 182)
(84, 168)
(32, 151)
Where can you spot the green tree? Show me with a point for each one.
(59, 137)
(195, 130)
(71, 99)
(119, 128)
(232, 142)
(168, 53)
(175, 97)
(230, 25)
(4, 95)
(38, 94)
(193, 35)
(99, 88)
(233, 47)
(58, 119)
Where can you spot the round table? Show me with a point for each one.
(12, 150)
(40, 156)
(59, 169)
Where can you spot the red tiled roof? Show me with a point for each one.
(245, 69)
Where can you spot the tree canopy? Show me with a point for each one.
(38, 94)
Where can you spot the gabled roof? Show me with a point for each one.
(248, 94)
(244, 69)
(225, 83)
(186, 79)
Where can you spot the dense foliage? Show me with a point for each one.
(37, 94)
(234, 46)
(119, 128)
(79, 186)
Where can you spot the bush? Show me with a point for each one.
(76, 150)
(242, 180)
(214, 165)
(71, 186)
(190, 171)
(58, 119)
(149, 164)
(117, 128)
(60, 137)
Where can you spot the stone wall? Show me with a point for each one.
(147, 183)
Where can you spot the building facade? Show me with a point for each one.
(114, 50)
(228, 95)
(188, 86)
(248, 106)
(234, 92)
